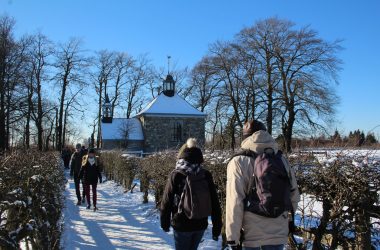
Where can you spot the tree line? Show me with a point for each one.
(273, 71)
(48, 88)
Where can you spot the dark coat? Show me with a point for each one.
(90, 173)
(169, 208)
(76, 163)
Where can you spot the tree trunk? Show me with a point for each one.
(321, 230)
(60, 117)
(98, 138)
(39, 114)
(8, 118)
(64, 129)
(269, 94)
(287, 131)
(48, 136)
(28, 115)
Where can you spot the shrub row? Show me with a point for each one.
(347, 193)
(119, 168)
(31, 200)
(346, 187)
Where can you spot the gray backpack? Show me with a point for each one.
(269, 187)
(195, 200)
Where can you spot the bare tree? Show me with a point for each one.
(7, 46)
(307, 64)
(276, 71)
(204, 84)
(141, 74)
(71, 64)
(258, 44)
(39, 52)
(104, 66)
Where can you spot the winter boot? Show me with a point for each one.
(88, 206)
(95, 208)
(79, 203)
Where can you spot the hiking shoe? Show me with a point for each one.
(88, 206)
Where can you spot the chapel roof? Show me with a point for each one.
(121, 127)
(175, 105)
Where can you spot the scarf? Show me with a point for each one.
(187, 167)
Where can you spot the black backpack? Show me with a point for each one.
(270, 186)
(195, 200)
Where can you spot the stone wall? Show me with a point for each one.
(158, 132)
(122, 145)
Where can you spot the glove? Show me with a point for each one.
(215, 238)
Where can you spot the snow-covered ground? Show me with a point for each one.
(122, 222)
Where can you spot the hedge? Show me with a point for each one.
(31, 200)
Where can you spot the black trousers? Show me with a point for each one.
(77, 188)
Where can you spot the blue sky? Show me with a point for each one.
(184, 29)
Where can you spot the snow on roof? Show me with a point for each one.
(165, 105)
(120, 127)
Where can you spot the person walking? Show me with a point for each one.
(66, 156)
(84, 152)
(75, 167)
(90, 174)
(189, 198)
(261, 193)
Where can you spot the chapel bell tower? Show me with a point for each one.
(169, 86)
(107, 114)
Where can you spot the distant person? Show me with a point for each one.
(261, 193)
(76, 163)
(66, 156)
(84, 152)
(189, 198)
(90, 174)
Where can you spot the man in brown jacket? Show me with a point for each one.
(259, 232)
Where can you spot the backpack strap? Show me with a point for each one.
(287, 168)
(252, 154)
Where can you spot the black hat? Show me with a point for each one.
(251, 127)
(91, 151)
(191, 153)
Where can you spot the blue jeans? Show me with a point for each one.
(267, 247)
(187, 240)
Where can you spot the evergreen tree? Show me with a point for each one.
(370, 139)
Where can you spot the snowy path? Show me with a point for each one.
(122, 222)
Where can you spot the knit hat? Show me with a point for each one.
(190, 152)
(91, 151)
(251, 127)
(78, 146)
